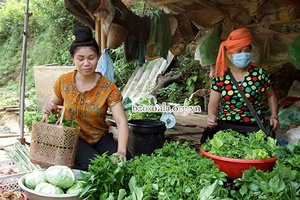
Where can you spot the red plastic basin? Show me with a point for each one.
(234, 167)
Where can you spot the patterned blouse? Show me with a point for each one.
(89, 108)
(233, 107)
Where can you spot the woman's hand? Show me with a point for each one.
(121, 155)
(212, 121)
(51, 107)
(123, 133)
(274, 122)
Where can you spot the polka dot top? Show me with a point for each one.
(233, 107)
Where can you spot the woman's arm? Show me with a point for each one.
(123, 130)
(213, 105)
(273, 105)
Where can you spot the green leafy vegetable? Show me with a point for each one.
(175, 171)
(105, 175)
(144, 103)
(231, 144)
(279, 184)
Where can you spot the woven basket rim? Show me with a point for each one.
(116, 35)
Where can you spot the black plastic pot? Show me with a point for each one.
(145, 136)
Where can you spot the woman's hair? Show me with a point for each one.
(83, 37)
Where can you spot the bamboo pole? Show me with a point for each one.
(276, 22)
(98, 34)
(23, 74)
(103, 36)
(86, 9)
(166, 2)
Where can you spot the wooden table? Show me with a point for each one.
(188, 128)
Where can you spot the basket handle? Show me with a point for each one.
(61, 116)
(59, 121)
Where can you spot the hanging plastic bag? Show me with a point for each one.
(293, 135)
(127, 103)
(288, 116)
(293, 52)
(106, 66)
(208, 48)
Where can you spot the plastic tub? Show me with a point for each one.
(33, 195)
(145, 136)
(234, 167)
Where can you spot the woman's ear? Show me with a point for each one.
(73, 60)
(229, 55)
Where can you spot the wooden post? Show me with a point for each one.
(98, 34)
(103, 36)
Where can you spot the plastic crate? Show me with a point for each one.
(6, 165)
(10, 182)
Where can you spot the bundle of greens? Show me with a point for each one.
(144, 108)
(177, 172)
(282, 183)
(231, 144)
(52, 119)
(173, 172)
(289, 156)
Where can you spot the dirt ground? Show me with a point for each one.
(10, 129)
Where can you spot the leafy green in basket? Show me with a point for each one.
(52, 119)
(68, 123)
(231, 144)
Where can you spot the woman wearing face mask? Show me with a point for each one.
(226, 108)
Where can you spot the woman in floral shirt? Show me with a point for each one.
(86, 96)
(227, 108)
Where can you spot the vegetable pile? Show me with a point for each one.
(54, 180)
(177, 171)
(172, 172)
(282, 183)
(146, 104)
(231, 144)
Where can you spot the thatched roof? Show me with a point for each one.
(274, 23)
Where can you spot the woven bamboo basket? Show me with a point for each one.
(116, 35)
(53, 144)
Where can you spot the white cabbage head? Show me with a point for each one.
(60, 176)
(48, 188)
(34, 178)
(76, 188)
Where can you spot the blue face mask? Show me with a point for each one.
(241, 60)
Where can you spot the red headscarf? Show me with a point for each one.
(237, 39)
